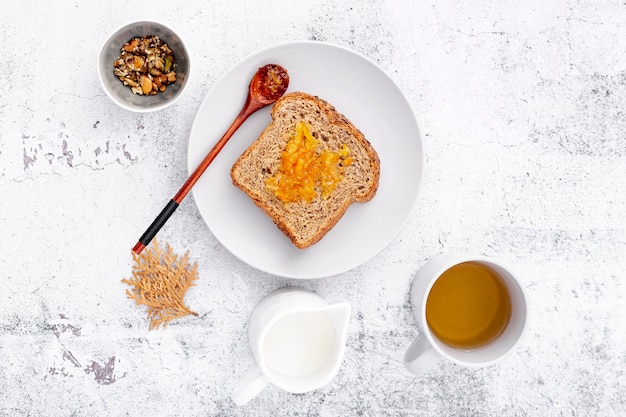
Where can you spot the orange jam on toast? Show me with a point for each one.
(305, 172)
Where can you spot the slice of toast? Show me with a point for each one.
(305, 223)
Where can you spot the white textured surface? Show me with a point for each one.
(522, 109)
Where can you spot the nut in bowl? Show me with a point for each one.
(144, 66)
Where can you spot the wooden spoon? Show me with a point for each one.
(268, 84)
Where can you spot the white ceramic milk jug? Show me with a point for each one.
(298, 341)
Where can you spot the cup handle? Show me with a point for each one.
(420, 356)
(249, 386)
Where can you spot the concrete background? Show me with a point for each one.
(522, 110)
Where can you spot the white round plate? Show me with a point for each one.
(362, 92)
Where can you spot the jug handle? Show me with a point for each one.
(249, 386)
(420, 356)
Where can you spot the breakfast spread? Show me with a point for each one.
(146, 65)
(307, 167)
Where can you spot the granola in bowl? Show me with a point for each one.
(146, 65)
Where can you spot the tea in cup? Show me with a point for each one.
(472, 311)
(298, 341)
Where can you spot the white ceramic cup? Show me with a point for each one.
(427, 349)
(298, 342)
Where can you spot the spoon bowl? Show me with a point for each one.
(269, 84)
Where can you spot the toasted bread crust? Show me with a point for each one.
(307, 223)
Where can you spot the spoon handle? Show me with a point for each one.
(156, 225)
(250, 107)
(195, 176)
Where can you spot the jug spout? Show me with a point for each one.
(339, 315)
